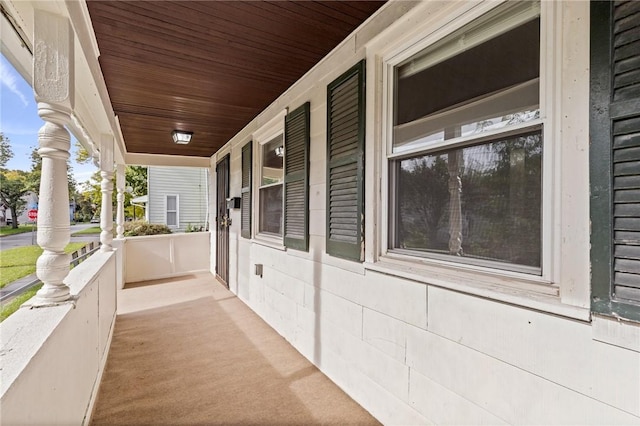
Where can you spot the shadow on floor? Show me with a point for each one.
(211, 360)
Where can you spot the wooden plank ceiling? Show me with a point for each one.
(209, 66)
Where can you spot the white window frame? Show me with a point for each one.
(265, 134)
(177, 210)
(560, 167)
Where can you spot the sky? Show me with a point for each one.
(19, 121)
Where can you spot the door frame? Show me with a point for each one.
(222, 222)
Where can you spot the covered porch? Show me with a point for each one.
(143, 332)
(182, 348)
(187, 348)
(294, 109)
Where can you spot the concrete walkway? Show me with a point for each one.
(17, 287)
(187, 351)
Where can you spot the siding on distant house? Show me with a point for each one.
(31, 200)
(189, 184)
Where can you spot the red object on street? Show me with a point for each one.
(32, 214)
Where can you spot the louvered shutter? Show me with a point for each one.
(245, 207)
(625, 121)
(345, 165)
(296, 179)
(615, 156)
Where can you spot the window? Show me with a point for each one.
(282, 180)
(270, 190)
(615, 167)
(172, 210)
(466, 157)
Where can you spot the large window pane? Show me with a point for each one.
(171, 203)
(272, 155)
(172, 210)
(481, 203)
(270, 191)
(271, 209)
(481, 88)
(172, 219)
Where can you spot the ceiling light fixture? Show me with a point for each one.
(181, 137)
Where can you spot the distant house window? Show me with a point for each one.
(172, 210)
(466, 156)
(270, 191)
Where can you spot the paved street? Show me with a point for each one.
(29, 238)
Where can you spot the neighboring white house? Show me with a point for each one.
(31, 199)
(177, 197)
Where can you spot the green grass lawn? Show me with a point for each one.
(21, 261)
(9, 308)
(7, 230)
(92, 230)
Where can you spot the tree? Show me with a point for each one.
(13, 187)
(136, 178)
(91, 189)
(12, 182)
(85, 208)
(82, 155)
(423, 201)
(5, 151)
(33, 180)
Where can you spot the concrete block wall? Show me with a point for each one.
(412, 351)
(417, 354)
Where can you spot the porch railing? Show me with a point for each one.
(52, 357)
(162, 256)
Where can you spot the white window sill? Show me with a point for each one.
(618, 333)
(530, 294)
(269, 241)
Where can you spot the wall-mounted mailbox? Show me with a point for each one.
(233, 203)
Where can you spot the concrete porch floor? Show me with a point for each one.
(187, 351)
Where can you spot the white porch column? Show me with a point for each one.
(106, 187)
(53, 85)
(120, 198)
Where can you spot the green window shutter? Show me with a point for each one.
(345, 164)
(615, 154)
(245, 206)
(296, 179)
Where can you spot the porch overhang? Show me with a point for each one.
(144, 69)
(208, 67)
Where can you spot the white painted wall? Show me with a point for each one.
(161, 256)
(418, 344)
(53, 358)
(189, 183)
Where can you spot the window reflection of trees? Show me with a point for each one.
(499, 216)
